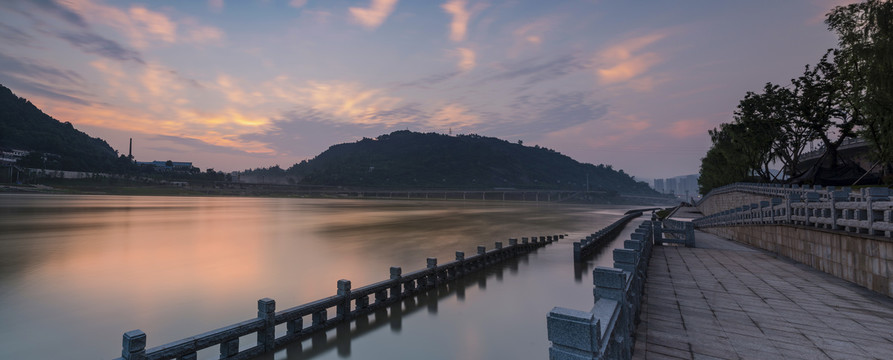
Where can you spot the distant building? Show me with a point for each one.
(9, 157)
(168, 165)
(670, 186)
(685, 187)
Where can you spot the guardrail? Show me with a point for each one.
(784, 190)
(867, 212)
(608, 330)
(681, 232)
(398, 287)
(585, 247)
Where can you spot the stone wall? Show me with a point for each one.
(862, 259)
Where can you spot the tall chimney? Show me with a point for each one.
(130, 150)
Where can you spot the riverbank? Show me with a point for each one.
(293, 191)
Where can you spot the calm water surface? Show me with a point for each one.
(76, 271)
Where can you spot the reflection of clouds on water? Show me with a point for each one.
(178, 266)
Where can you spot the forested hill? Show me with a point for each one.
(409, 159)
(23, 126)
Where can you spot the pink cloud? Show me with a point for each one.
(375, 15)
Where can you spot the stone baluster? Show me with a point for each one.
(229, 348)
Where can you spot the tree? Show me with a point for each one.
(821, 97)
(865, 60)
(723, 164)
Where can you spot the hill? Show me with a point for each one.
(23, 126)
(405, 159)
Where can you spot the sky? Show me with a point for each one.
(233, 85)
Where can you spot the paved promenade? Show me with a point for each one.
(724, 300)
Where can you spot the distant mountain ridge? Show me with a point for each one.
(23, 126)
(414, 160)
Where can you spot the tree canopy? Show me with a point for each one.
(848, 93)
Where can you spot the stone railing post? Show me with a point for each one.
(610, 283)
(574, 334)
(432, 279)
(396, 291)
(578, 251)
(460, 267)
(793, 197)
(874, 194)
(837, 196)
(343, 309)
(811, 198)
(134, 345)
(266, 310)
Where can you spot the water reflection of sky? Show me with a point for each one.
(81, 270)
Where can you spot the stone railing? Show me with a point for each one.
(607, 331)
(680, 232)
(733, 195)
(347, 303)
(585, 247)
(867, 212)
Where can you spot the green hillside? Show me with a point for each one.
(409, 159)
(23, 126)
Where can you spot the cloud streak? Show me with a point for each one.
(534, 71)
(95, 44)
(624, 62)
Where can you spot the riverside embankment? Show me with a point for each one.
(841, 232)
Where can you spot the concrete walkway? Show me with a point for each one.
(724, 300)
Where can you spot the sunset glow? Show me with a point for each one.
(242, 84)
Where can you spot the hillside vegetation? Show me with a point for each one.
(405, 159)
(23, 126)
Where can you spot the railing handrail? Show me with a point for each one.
(606, 331)
(868, 212)
(585, 247)
(386, 292)
(783, 190)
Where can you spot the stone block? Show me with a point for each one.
(625, 256)
(134, 341)
(266, 306)
(609, 278)
(573, 329)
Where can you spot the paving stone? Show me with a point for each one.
(740, 302)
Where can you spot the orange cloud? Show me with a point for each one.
(350, 102)
(453, 115)
(623, 62)
(461, 15)
(373, 16)
(236, 93)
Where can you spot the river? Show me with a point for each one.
(76, 271)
